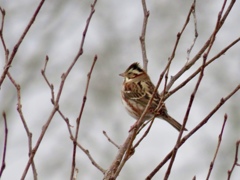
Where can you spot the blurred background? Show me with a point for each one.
(113, 36)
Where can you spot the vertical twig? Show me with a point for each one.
(6, 51)
(143, 35)
(43, 71)
(195, 30)
(5, 144)
(218, 146)
(79, 118)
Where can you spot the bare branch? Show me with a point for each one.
(5, 144)
(111, 171)
(235, 163)
(204, 121)
(29, 134)
(15, 49)
(218, 146)
(6, 51)
(79, 53)
(143, 35)
(90, 157)
(192, 97)
(125, 152)
(145, 133)
(43, 71)
(69, 126)
(110, 140)
(56, 101)
(170, 59)
(80, 115)
(195, 30)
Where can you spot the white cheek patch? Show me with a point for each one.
(127, 80)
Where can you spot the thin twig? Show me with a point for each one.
(195, 31)
(194, 130)
(218, 146)
(143, 35)
(143, 125)
(69, 126)
(43, 71)
(29, 134)
(34, 150)
(15, 49)
(6, 51)
(213, 37)
(235, 163)
(144, 135)
(5, 144)
(80, 116)
(110, 140)
(90, 157)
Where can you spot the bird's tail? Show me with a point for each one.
(173, 122)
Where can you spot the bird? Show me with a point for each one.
(137, 89)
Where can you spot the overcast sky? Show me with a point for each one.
(113, 36)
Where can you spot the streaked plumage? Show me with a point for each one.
(137, 90)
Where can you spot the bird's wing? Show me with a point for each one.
(141, 93)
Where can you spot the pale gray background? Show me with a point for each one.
(114, 36)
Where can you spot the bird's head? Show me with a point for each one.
(132, 72)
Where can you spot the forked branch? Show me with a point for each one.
(235, 163)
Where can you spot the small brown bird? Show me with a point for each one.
(137, 90)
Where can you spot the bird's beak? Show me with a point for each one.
(122, 74)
